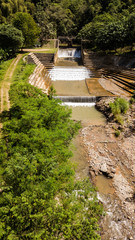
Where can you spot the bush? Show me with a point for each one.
(120, 105)
(132, 100)
(117, 133)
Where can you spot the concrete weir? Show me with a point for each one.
(77, 99)
(69, 53)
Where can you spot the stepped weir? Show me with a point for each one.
(81, 99)
(68, 78)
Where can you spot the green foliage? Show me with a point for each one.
(107, 24)
(3, 68)
(23, 71)
(39, 198)
(25, 23)
(117, 133)
(132, 99)
(11, 38)
(111, 36)
(9, 7)
(118, 107)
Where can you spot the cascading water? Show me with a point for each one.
(77, 99)
(69, 53)
(70, 74)
(69, 82)
(78, 104)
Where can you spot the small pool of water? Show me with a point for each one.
(87, 114)
(104, 185)
(79, 158)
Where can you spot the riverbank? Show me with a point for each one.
(111, 166)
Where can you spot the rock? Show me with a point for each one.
(92, 174)
(110, 175)
(103, 168)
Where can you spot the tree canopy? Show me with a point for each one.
(11, 38)
(86, 19)
(25, 23)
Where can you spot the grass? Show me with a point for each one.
(19, 73)
(53, 50)
(43, 50)
(117, 133)
(118, 108)
(3, 68)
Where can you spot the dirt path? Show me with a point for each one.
(35, 50)
(5, 85)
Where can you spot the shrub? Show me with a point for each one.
(120, 105)
(132, 100)
(117, 133)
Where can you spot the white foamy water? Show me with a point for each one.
(69, 53)
(79, 104)
(69, 73)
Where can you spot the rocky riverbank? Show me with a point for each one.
(114, 158)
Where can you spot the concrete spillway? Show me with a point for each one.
(69, 73)
(77, 99)
(69, 53)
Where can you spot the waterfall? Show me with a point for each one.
(77, 99)
(69, 73)
(69, 53)
(78, 104)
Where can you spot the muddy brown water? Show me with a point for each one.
(71, 88)
(104, 185)
(87, 116)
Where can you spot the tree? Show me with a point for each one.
(9, 7)
(47, 28)
(112, 36)
(90, 30)
(131, 29)
(30, 30)
(11, 39)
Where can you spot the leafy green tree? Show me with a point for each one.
(54, 20)
(47, 28)
(30, 30)
(131, 29)
(11, 38)
(9, 7)
(112, 36)
(90, 30)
